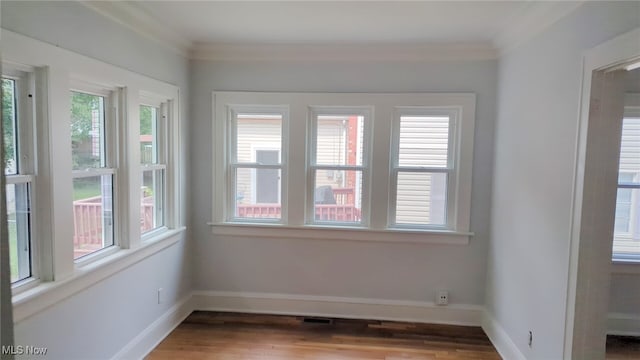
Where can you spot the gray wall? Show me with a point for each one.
(539, 92)
(100, 320)
(341, 268)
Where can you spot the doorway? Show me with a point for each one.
(595, 193)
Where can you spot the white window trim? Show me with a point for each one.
(24, 78)
(229, 127)
(295, 225)
(165, 119)
(314, 111)
(452, 170)
(55, 73)
(111, 145)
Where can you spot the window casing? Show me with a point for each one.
(93, 143)
(43, 174)
(423, 168)
(256, 169)
(17, 112)
(344, 143)
(338, 170)
(153, 160)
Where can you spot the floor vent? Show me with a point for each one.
(317, 320)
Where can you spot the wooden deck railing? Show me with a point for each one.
(87, 223)
(324, 212)
(342, 210)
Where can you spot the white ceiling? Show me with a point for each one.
(191, 26)
(336, 22)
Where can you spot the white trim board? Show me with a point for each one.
(338, 307)
(344, 52)
(139, 20)
(623, 324)
(499, 338)
(152, 335)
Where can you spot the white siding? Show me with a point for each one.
(254, 134)
(423, 143)
(630, 146)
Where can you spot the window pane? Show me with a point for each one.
(339, 139)
(258, 133)
(338, 196)
(92, 214)
(87, 131)
(626, 238)
(152, 200)
(421, 198)
(18, 218)
(9, 126)
(148, 135)
(424, 141)
(258, 193)
(630, 151)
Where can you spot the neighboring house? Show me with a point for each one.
(421, 197)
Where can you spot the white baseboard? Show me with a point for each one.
(150, 337)
(623, 324)
(500, 339)
(337, 307)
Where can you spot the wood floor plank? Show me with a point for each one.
(231, 336)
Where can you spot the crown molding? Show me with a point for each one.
(343, 52)
(532, 20)
(138, 20)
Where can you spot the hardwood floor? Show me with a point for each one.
(230, 336)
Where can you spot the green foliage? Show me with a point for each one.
(82, 108)
(145, 120)
(8, 113)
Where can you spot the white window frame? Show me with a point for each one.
(297, 224)
(24, 79)
(312, 167)
(451, 170)
(232, 163)
(163, 123)
(111, 146)
(56, 71)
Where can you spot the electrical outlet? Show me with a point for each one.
(160, 296)
(530, 338)
(442, 297)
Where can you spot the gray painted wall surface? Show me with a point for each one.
(539, 91)
(98, 321)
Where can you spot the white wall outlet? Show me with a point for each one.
(160, 295)
(442, 297)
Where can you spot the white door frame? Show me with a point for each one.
(590, 261)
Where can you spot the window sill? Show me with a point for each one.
(319, 232)
(625, 267)
(33, 300)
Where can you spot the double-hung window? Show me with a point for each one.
(17, 125)
(153, 154)
(338, 169)
(626, 239)
(385, 167)
(423, 177)
(93, 144)
(256, 164)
